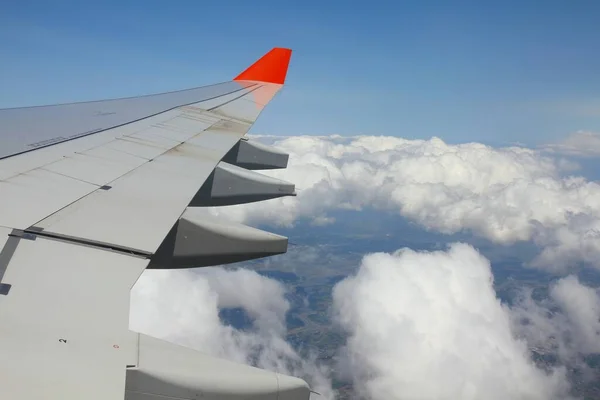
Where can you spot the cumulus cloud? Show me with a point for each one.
(581, 305)
(420, 325)
(503, 194)
(580, 143)
(182, 306)
(429, 326)
(566, 323)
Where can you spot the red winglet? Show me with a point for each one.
(272, 67)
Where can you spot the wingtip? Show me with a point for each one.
(271, 68)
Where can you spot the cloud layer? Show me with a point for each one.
(420, 325)
(580, 143)
(565, 324)
(503, 194)
(429, 326)
(182, 306)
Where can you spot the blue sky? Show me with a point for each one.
(524, 71)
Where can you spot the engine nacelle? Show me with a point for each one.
(168, 371)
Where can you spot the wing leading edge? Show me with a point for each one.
(93, 193)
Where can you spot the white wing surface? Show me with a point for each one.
(93, 193)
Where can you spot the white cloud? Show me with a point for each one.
(581, 305)
(567, 323)
(580, 143)
(504, 194)
(429, 326)
(421, 325)
(182, 306)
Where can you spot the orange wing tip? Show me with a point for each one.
(271, 68)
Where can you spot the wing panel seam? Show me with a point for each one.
(124, 174)
(34, 232)
(236, 98)
(119, 125)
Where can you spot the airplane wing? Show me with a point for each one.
(93, 193)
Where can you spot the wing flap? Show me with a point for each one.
(63, 319)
